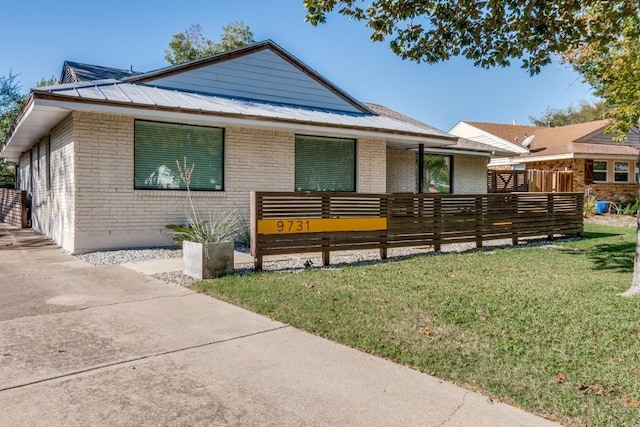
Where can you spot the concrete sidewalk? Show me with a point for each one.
(84, 345)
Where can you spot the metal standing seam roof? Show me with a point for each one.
(114, 91)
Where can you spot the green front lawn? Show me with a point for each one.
(540, 328)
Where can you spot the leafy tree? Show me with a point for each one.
(600, 39)
(571, 115)
(191, 44)
(11, 102)
(612, 68)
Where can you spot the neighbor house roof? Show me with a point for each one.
(578, 140)
(462, 144)
(150, 96)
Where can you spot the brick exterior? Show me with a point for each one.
(469, 173)
(371, 161)
(401, 171)
(92, 204)
(615, 192)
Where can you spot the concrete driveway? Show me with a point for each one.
(83, 345)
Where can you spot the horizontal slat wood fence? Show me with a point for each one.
(14, 207)
(530, 180)
(284, 223)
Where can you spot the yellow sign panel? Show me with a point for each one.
(317, 225)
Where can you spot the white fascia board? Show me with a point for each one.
(449, 151)
(562, 156)
(9, 150)
(465, 130)
(607, 156)
(222, 120)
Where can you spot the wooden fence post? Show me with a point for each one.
(514, 232)
(437, 223)
(254, 206)
(326, 213)
(479, 221)
(385, 212)
(550, 216)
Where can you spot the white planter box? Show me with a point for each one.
(207, 260)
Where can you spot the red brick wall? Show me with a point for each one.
(13, 207)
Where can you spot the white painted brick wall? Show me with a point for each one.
(92, 159)
(110, 213)
(371, 162)
(52, 210)
(470, 174)
(401, 171)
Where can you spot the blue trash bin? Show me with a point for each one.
(601, 206)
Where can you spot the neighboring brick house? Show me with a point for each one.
(601, 167)
(97, 154)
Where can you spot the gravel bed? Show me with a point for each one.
(130, 255)
(300, 264)
(175, 278)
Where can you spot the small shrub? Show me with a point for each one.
(243, 238)
(219, 227)
(589, 208)
(629, 208)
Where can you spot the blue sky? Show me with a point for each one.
(39, 35)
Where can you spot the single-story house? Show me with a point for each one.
(601, 167)
(97, 154)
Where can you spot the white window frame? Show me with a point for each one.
(628, 172)
(606, 171)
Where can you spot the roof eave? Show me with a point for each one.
(47, 102)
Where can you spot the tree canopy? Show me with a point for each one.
(488, 32)
(600, 39)
(11, 102)
(191, 44)
(571, 115)
(612, 68)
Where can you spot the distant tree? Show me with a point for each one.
(11, 102)
(48, 82)
(571, 115)
(191, 44)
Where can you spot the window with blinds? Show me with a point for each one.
(325, 164)
(159, 145)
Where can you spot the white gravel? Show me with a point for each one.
(130, 255)
(296, 265)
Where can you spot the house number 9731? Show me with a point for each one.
(299, 226)
(319, 225)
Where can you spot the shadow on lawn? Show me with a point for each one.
(617, 257)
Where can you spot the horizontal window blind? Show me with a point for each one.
(159, 145)
(325, 164)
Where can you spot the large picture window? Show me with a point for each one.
(325, 164)
(159, 145)
(437, 174)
